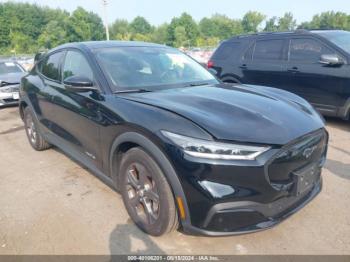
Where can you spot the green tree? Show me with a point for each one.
(271, 25)
(284, 23)
(140, 26)
(119, 30)
(140, 37)
(85, 26)
(30, 27)
(4, 30)
(53, 35)
(22, 43)
(287, 22)
(208, 41)
(191, 29)
(328, 20)
(219, 26)
(251, 21)
(160, 34)
(180, 36)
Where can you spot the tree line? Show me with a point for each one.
(28, 28)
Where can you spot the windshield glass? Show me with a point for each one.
(150, 68)
(9, 67)
(340, 38)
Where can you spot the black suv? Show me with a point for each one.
(179, 145)
(312, 64)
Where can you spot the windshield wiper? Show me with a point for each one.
(131, 91)
(198, 84)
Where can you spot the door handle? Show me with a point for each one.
(244, 66)
(293, 69)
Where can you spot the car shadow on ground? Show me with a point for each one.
(128, 239)
(338, 168)
(338, 123)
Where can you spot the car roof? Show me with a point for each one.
(108, 44)
(283, 33)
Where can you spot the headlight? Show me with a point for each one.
(214, 150)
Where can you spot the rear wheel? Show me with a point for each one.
(35, 139)
(146, 193)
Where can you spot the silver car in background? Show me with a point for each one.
(10, 77)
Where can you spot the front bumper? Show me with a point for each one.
(9, 98)
(256, 216)
(227, 198)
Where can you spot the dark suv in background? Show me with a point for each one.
(312, 64)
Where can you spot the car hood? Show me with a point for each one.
(239, 113)
(12, 77)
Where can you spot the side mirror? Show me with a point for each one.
(79, 84)
(331, 59)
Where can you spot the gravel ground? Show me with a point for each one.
(51, 205)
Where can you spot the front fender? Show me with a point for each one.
(159, 156)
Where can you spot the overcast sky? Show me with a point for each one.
(159, 11)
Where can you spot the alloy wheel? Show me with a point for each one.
(142, 193)
(31, 129)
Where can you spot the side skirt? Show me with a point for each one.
(80, 158)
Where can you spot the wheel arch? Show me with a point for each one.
(344, 111)
(131, 139)
(231, 79)
(22, 106)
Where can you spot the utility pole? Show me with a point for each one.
(105, 3)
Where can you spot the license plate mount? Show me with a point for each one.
(306, 178)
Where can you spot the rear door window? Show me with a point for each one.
(268, 50)
(248, 55)
(307, 50)
(50, 66)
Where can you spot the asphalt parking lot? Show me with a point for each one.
(51, 205)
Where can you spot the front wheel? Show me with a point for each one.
(146, 193)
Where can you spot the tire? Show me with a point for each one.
(147, 194)
(35, 139)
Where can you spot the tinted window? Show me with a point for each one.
(268, 50)
(50, 66)
(249, 53)
(76, 65)
(9, 67)
(340, 38)
(226, 50)
(308, 50)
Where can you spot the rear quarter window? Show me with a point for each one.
(50, 66)
(226, 50)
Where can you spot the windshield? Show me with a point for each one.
(340, 38)
(9, 67)
(150, 68)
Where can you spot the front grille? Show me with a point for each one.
(306, 151)
(9, 100)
